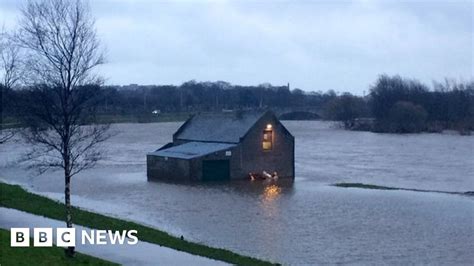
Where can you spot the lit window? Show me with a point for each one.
(267, 138)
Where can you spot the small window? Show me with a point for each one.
(267, 143)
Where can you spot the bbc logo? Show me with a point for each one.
(66, 237)
(42, 237)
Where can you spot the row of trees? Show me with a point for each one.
(396, 104)
(401, 105)
(195, 96)
(207, 96)
(204, 96)
(201, 96)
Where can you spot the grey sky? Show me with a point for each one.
(314, 45)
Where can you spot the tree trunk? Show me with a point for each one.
(67, 196)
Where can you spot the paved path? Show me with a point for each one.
(142, 253)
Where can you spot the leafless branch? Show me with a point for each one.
(59, 108)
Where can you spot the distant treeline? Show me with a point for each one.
(403, 105)
(195, 96)
(400, 105)
(394, 104)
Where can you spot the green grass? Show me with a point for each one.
(366, 186)
(13, 196)
(41, 256)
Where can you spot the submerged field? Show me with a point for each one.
(308, 221)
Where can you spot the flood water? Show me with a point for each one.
(304, 222)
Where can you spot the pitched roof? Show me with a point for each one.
(192, 149)
(221, 127)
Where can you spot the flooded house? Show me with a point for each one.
(225, 146)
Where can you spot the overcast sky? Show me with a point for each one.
(313, 45)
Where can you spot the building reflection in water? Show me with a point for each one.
(269, 200)
(273, 224)
(271, 192)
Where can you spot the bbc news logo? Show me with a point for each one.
(66, 237)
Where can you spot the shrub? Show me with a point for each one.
(406, 117)
(345, 108)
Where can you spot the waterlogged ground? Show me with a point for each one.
(305, 222)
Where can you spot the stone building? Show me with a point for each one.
(225, 146)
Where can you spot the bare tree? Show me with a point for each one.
(10, 61)
(62, 50)
(10, 70)
(5, 134)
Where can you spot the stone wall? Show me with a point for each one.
(280, 158)
(165, 168)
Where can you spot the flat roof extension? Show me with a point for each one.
(192, 150)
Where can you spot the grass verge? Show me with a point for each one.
(15, 197)
(41, 256)
(368, 186)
